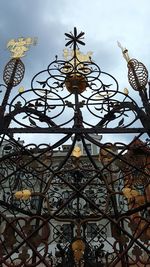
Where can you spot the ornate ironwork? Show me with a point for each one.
(14, 72)
(138, 74)
(76, 200)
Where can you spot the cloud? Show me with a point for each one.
(104, 22)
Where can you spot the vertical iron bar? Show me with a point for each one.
(10, 85)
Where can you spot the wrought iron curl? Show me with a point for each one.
(119, 110)
(19, 228)
(36, 111)
(62, 80)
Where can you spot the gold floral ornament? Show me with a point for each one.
(67, 54)
(76, 81)
(78, 248)
(23, 195)
(130, 193)
(77, 152)
(18, 47)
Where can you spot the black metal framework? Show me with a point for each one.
(64, 207)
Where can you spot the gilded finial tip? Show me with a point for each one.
(124, 52)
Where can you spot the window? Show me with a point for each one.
(89, 147)
(66, 148)
(7, 149)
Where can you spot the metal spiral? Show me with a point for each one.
(14, 72)
(137, 74)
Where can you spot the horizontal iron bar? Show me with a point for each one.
(73, 130)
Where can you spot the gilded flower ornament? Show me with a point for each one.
(18, 47)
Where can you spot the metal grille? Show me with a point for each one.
(71, 198)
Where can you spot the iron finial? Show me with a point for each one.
(74, 38)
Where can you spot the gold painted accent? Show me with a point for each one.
(103, 95)
(126, 92)
(83, 57)
(68, 54)
(18, 47)
(130, 193)
(21, 89)
(23, 195)
(76, 152)
(124, 52)
(78, 248)
(18, 194)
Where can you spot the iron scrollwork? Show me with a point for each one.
(88, 205)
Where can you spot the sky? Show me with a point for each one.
(104, 23)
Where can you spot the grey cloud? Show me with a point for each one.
(28, 18)
(103, 22)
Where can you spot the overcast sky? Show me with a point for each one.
(103, 21)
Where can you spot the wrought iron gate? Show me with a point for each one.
(79, 194)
